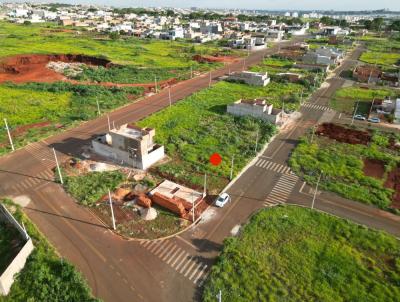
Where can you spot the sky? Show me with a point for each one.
(256, 4)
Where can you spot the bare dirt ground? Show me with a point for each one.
(344, 135)
(374, 168)
(33, 68)
(393, 182)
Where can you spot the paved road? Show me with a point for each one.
(117, 270)
(174, 269)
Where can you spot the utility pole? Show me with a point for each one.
(372, 105)
(255, 149)
(155, 84)
(209, 84)
(192, 207)
(98, 107)
(244, 64)
(301, 97)
(112, 210)
(109, 125)
(231, 176)
(9, 135)
(219, 296)
(205, 185)
(169, 96)
(191, 71)
(354, 114)
(312, 134)
(58, 167)
(315, 192)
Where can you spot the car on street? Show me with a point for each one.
(222, 200)
(374, 120)
(359, 117)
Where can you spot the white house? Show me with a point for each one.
(257, 108)
(130, 145)
(250, 78)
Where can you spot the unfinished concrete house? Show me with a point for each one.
(257, 108)
(250, 78)
(130, 145)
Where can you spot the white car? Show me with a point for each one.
(222, 200)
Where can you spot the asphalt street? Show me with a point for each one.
(172, 269)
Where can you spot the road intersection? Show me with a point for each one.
(173, 269)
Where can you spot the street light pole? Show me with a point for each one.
(155, 84)
(58, 167)
(169, 96)
(205, 185)
(233, 156)
(255, 149)
(9, 135)
(354, 114)
(219, 296)
(315, 192)
(98, 106)
(209, 83)
(109, 125)
(112, 210)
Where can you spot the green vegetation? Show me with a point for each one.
(128, 74)
(45, 277)
(199, 126)
(343, 167)
(10, 244)
(345, 99)
(52, 39)
(57, 105)
(88, 188)
(380, 58)
(295, 254)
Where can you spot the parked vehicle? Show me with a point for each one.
(374, 120)
(359, 117)
(222, 200)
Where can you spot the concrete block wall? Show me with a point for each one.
(18, 263)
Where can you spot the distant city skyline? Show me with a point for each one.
(339, 5)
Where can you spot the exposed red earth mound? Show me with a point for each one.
(344, 135)
(393, 182)
(32, 68)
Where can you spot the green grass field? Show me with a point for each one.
(198, 126)
(50, 39)
(60, 104)
(293, 254)
(345, 99)
(45, 277)
(342, 165)
(380, 58)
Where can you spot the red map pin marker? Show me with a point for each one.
(215, 159)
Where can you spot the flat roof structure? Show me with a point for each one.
(173, 190)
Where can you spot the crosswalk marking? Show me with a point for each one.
(317, 107)
(269, 165)
(177, 258)
(281, 191)
(32, 181)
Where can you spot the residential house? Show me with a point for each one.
(130, 145)
(250, 78)
(257, 108)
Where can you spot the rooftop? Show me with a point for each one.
(174, 190)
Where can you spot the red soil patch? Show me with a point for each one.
(32, 68)
(344, 135)
(214, 59)
(374, 168)
(393, 182)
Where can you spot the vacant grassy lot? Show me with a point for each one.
(45, 277)
(199, 126)
(342, 165)
(380, 58)
(295, 254)
(345, 99)
(52, 39)
(56, 104)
